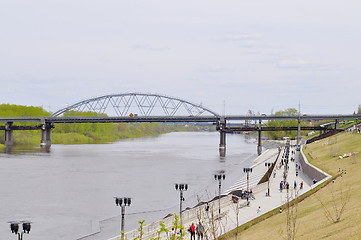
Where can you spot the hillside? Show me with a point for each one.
(311, 218)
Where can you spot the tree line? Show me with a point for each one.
(83, 133)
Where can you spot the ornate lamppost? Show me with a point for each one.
(181, 187)
(122, 202)
(14, 227)
(247, 170)
(219, 177)
(268, 165)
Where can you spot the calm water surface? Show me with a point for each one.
(66, 192)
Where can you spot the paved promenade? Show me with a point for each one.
(266, 203)
(260, 204)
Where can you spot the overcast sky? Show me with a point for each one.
(230, 56)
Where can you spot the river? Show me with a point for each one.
(66, 192)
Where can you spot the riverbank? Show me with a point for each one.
(324, 154)
(217, 224)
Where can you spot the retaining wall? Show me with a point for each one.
(311, 171)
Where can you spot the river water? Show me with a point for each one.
(65, 193)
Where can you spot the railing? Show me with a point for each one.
(189, 215)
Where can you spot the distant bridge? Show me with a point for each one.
(140, 107)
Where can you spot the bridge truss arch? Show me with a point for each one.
(135, 104)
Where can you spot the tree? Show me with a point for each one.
(291, 215)
(177, 231)
(140, 229)
(236, 206)
(284, 123)
(339, 200)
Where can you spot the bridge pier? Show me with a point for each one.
(45, 134)
(222, 140)
(222, 144)
(9, 134)
(259, 145)
(299, 131)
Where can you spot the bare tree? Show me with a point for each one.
(291, 206)
(334, 212)
(212, 220)
(236, 206)
(292, 214)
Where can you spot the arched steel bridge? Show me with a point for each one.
(134, 104)
(141, 107)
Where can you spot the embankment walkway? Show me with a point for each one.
(217, 224)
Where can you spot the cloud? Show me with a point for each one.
(147, 47)
(249, 44)
(293, 64)
(246, 40)
(242, 36)
(300, 64)
(216, 70)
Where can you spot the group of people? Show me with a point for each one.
(199, 230)
(287, 185)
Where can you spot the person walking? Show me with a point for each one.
(259, 209)
(207, 210)
(192, 230)
(200, 231)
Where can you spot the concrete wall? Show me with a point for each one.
(311, 171)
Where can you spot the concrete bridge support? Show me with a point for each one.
(9, 134)
(299, 132)
(259, 146)
(337, 124)
(222, 140)
(45, 135)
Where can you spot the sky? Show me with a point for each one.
(230, 56)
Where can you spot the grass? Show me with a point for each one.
(311, 221)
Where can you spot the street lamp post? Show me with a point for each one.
(14, 227)
(122, 202)
(181, 187)
(247, 170)
(219, 177)
(268, 165)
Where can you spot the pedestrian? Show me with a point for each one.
(295, 184)
(259, 209)
(274, 174)
(301, 185)
(207, 209)
(281, 186)
(192, 230)
(287, 186)
(200, 231)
